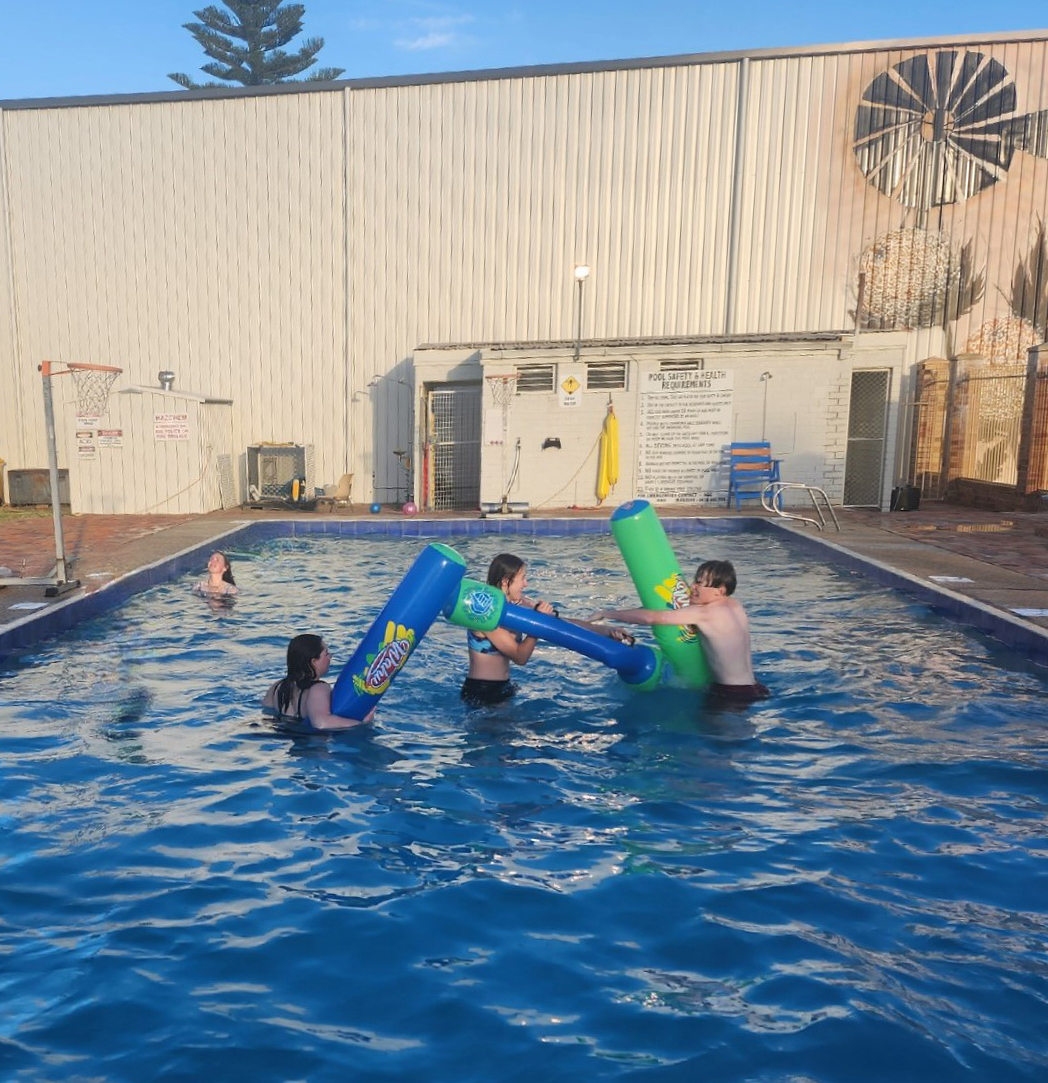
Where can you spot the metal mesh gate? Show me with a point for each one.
(993, 423)
(867, 431)
(453, 451)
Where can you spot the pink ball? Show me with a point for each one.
(410, 508)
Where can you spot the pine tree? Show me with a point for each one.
(247, 47)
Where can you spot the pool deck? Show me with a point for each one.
(986, 564)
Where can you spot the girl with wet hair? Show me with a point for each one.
(490, 653)
(302, 695)
(219, 582)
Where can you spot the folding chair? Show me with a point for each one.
(751, 468)
(341, 497)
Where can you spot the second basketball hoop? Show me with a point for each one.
(502, 388)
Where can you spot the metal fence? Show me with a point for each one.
(453, 455)
(976, 421)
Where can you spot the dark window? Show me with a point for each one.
(606, 376)
(534, 378)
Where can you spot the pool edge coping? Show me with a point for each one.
(25, 633)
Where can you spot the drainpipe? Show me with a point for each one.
(734, 211)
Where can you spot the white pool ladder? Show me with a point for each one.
(771, 499)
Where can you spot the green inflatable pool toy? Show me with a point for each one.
(656, 574)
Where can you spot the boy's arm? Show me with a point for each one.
(688, 614)
(619, 634)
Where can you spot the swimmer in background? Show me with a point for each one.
(301, 695)
(490, 653)
(723, 626)
(219, 582)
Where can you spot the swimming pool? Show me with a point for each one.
(847, 882)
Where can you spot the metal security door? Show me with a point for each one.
(867, 434)
(452, 474)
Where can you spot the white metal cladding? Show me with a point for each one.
(203, 237)
(289, 251)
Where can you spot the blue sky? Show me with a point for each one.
(59, 48)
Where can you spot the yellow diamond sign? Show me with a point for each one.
(570, 386)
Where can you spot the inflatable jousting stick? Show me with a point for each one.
(482, 608)
(656, 574)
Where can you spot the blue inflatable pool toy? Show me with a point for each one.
(397, 630)
(436, 583)
(482, 608)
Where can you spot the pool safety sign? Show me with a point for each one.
(684, 426)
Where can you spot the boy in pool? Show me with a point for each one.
(721, 622)
(490, 653)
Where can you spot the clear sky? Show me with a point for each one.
(61, 48)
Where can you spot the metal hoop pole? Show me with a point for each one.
(52, 463)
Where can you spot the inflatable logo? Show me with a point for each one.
(387, 662)
(676, 593)
(479, 604)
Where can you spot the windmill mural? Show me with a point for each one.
(941, 127)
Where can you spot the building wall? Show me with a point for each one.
(203, 237)
(793, 393)
(290, 249)
(154, 453)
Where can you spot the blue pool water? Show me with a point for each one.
(848, 882)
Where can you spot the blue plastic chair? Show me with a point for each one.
(751, 469)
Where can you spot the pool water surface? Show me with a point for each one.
(847, 882)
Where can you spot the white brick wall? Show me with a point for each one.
(801, 407)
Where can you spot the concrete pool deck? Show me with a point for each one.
(996, 562)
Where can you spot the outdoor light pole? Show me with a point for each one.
(581, 274)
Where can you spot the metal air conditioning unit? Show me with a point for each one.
(280, 472)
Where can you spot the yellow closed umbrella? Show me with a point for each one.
(608, 464)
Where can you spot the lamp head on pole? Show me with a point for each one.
(582, 272)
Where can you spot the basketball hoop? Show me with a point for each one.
(92, 387)
(503, 387)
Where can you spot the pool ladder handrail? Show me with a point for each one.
(771, 499)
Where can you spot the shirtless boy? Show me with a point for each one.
(721, 622)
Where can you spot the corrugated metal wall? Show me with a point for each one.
(290, 250)
(204, 237)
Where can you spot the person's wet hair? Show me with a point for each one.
(302, 652)
(227, 575)
(717, 573)
(502, 567)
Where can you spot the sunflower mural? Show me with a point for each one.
(916, 278)
(1007, 338)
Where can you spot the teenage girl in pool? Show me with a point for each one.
(219, 582)
(302, 696)
(490, 653)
